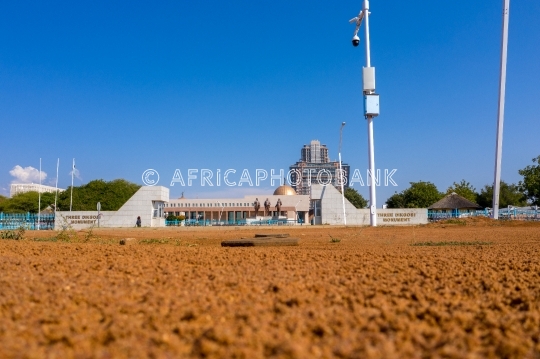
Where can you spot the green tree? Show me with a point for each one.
(355, 198)
(112, 195)
(3, 201)
(464, 189)
(397, 200)
(172, 217)
(419, 195)
(509, 194)
(27, 202)
(530, 185)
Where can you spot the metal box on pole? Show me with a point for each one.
(368, 77)
(371, 105)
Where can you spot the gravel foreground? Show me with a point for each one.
(461, 289)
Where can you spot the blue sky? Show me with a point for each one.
(126, 86)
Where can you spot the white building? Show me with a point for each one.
(17, 188)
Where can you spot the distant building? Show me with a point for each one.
(17, 188)
(315, 167)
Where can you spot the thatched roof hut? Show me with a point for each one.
(454, 201)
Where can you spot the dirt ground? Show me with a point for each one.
(461, 289)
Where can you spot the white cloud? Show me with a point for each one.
(26, 175)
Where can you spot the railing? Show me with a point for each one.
(504, 213)
(274, 222)
(26, 220)
(238, 222)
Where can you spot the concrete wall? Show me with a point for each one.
(80, 219)
(332, 211)
(145, 203)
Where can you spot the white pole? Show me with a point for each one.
(366, 19)
(39, 197)
(500, 121)
(56, 190)
(372, 187)
(341, 173)
(72, 173)
(371, 146)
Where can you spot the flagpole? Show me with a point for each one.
(56, 190)
(39, 197)
(500, 116)
(72, 173)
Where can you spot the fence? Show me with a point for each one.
(26, 220)
(505, 213)
(239, 222)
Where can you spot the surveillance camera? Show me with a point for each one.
(355, 40)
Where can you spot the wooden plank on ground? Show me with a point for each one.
(275, 235)
(260, 242)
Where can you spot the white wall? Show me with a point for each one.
(142, 203)
(332, 210)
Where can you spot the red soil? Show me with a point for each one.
(370, 293)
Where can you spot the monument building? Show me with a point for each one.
(284, 204)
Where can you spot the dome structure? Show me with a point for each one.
(285, 190)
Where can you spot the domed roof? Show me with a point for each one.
(284, 191)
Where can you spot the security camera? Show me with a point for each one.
(355, 40)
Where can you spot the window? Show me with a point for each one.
(158, 209)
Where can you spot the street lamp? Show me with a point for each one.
(341, 172)
(371, 104)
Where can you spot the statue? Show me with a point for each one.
(266, 207)
(256, 206)
(278, 207)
